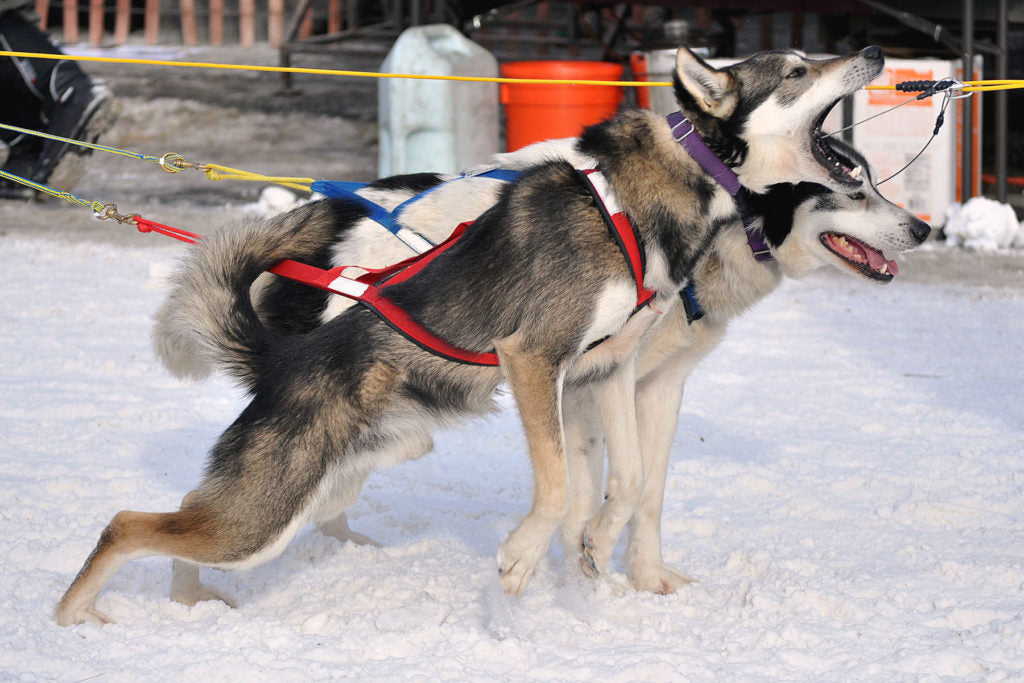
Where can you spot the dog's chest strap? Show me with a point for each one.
(368, 289)
(687, 136)
(621, 229)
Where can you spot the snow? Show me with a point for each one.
(982, 223)
(847, 486)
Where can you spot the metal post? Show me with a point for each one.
(967, 105)
(1002, 64)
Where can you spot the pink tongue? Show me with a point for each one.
(876, 260)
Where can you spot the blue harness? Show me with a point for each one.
(389, 219)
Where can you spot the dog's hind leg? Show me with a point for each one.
(658, 399)
(186, 587)
(617, 406)
(338, 528)
(218, 526)
(336, 524)
(186, 534)
(536, 385)
(332, 519)
(584, 447)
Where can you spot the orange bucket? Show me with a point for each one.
(544, 112)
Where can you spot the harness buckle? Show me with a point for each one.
(680, 138)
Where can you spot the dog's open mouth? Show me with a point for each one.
(865, 259)
(840, 167)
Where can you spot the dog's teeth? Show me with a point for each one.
(884, 270)
(855, 173)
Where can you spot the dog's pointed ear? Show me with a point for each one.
(714, 91)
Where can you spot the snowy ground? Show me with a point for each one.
(847, 485)
(847, 481)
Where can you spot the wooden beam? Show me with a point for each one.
(151, 22)
(189, 35)
(333, 16)
(246, 22)
(275, 22)
(306, 27)
(96, 23)
(216, 22)
(43, 10)
(122, 21)
(71, 21)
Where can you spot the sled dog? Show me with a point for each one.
(538, 279)
(805, 226)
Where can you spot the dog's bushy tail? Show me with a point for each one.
(208, 319)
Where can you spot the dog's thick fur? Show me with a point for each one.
(799, 223)
(538, 278)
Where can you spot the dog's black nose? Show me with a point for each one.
(872, 52)
(920, 230)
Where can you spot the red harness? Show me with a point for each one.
(369, 290)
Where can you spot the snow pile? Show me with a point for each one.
(274, 200)
(983, 223)
(846, 485)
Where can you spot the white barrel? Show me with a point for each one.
(659, 65)
(436, 126)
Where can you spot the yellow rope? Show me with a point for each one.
(214, 172)
(81, 143)
(973, 86)
(171, 162)
(334, 72)
(217, 172)
(97, 207)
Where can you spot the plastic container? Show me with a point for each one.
(544, 112)
(436, 126)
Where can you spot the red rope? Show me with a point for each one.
(145, 225)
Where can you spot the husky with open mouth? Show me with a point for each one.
(539, 279)
(800, 228)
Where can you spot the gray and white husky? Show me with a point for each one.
(538, 278)
(805, 226)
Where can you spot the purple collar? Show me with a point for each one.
(686, 135)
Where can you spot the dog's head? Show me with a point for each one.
(808, 226)
(763, 116)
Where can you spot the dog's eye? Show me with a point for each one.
(798, 72)
(858, 196)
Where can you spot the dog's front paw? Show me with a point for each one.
(516, 566)
(594, 560)
(658, 578)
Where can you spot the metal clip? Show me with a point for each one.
(173, 162)
(109, 211)
(955, 85)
